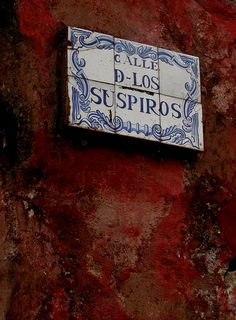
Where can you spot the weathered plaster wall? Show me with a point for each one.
(98, 227)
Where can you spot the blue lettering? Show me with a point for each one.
(119, 99)
(106, 96)
(144, 64)
(135, 63)
(155, 85)
(146, 81)
(119, 76)
(163, 103)
(154, 65)
(131, 100)
(128, 60)
(135, 83)
(99, 99)
(151, 105)
(141, 105)
(174, 107)
(117, 58)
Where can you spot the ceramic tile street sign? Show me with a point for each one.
(133, 89)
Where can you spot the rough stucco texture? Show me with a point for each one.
(96, 228)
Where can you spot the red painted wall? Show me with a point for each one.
(93, 227)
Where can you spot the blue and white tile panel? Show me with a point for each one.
(128, 88)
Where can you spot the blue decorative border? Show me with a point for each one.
(188, 134)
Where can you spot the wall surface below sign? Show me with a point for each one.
(132, 89)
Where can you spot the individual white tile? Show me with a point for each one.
(181, 122)
(92, 56)
(137, 114)
(136, 65)
(92, 104)
(179, 75)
